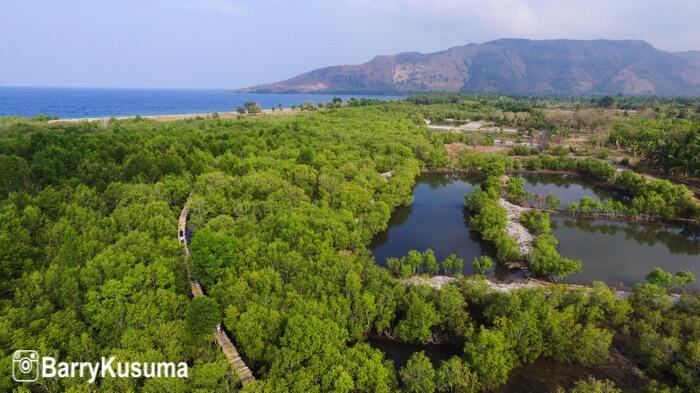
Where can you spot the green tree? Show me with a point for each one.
(430, 264)
(417, 324)
(336, 102)
(452, 264)
(536, 221)
(454, 376)
(588, 205)
(494, 168)
(306, 156)
(553, 201)
(683, 278)
(515, 190)
(592, 345)
(252, 108)
(337, 380)
(482, 264)
(418, 375)
(414, 259)
(202, 315)
(212, 254)
(452, 309)
(255, 330)
(664, 279)
(546, 261)
(522, 329)
(14, 174)
(309, 340)
(660, 277)
(592, 385)
(399, 267)
(490, 356)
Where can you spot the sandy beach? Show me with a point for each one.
(223, 115)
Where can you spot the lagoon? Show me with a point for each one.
(617, 253)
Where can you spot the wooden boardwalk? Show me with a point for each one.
(231, 353)
(182, 229)
(195, 287)
(229, 350)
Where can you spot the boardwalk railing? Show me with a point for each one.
(229, 350)
(232, 355)
(182, 228)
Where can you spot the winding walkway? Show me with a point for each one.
(222, 338)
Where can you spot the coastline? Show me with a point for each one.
(175, 117)
(96, 104)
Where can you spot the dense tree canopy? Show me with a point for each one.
(282, 212)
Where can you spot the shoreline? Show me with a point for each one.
(517, 231)
(175, 117)
(438, 281)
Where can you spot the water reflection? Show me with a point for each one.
(611, 251)
(569, 188)
(678, 240)
(622, 253)
(436, 220)
(618, 253)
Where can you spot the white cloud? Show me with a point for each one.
(671, 24)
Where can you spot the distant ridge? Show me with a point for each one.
(513, 66)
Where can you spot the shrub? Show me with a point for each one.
(482, 264)
(536, 221)
(515, 190)
(559, 151)
(520, 150)
(553, 202)
(602, 153)
(545, 259)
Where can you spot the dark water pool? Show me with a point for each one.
(618, 253)
(399, 353)
(542, 376)
(622, 253)
(434, 220)
(569, 188)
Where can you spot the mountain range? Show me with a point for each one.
(512, 66)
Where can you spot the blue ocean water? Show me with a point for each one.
(69, 103)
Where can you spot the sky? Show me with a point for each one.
(237, 43)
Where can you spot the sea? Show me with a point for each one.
(69, 103)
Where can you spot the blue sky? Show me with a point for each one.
(237, 43)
